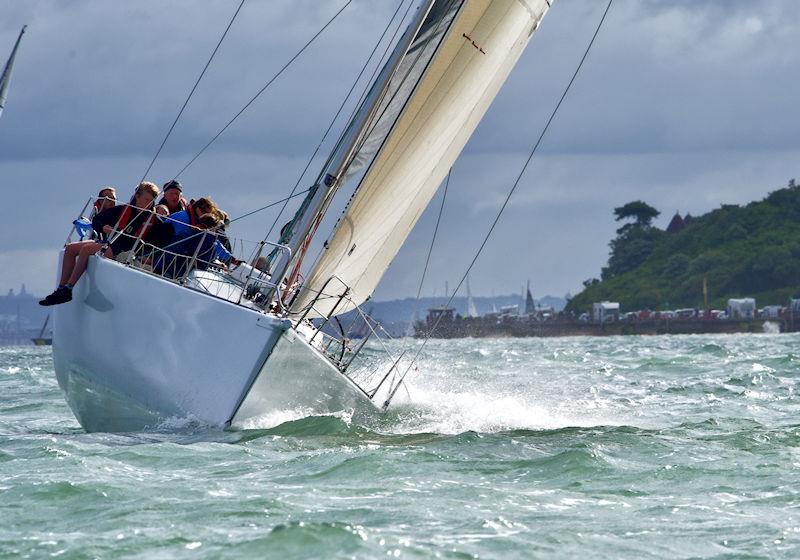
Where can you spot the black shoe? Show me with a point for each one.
(48, 300)
(60, 295)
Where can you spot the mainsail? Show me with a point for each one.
(456, 64)
(472, 311)
(5, 78)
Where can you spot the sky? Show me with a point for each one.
(685, 104)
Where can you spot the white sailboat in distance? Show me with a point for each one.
(137, 346)
(472, 311)
(5, 78)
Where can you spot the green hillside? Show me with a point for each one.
(741, 251)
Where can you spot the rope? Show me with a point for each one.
(256, 96)
(433, 239)
(333, 121)
(185, 103)
(295, 195)
(505, 203)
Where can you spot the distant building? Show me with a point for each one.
(509, 311)
(772, 312)
(744, 308)
(676, 224)
(605, 312)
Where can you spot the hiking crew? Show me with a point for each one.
(126, 221)
(176, 230)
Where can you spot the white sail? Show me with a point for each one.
(474, 58)
(472, 311)
(5, 78)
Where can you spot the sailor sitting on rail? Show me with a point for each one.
(188, 219)
(187, 222)
(173, 197)
(195, 247)
(131, 223)
(106, 198)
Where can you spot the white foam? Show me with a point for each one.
(458, 411)
(278, 417)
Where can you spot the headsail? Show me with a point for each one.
(480, 42)
(5, 79)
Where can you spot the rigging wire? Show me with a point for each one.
(300, 256)
(336, 116)
(269, 83)
(505, 203)
(270, 205)
(428, 258)
(186, 102)
(433, 240)
(382, 62)
(371, 126)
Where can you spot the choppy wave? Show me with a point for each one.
(626, 447)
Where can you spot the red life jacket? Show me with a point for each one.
(193, 217)
(125, 218)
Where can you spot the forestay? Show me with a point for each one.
(476, 44)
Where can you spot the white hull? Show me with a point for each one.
(132, 351)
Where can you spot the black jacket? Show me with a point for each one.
(157, 234)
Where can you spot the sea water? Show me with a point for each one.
(618, 447)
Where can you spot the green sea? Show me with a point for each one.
(618, 447)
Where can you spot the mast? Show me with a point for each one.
(304, 224)
(41, 333)
(5, 79)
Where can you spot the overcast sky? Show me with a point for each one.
(685, 104)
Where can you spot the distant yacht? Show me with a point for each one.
(41, 340)
(5, 79)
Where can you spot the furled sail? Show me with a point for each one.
(466, 53)
(5, 78)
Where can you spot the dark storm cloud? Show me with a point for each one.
(106, 79)
(686, 104)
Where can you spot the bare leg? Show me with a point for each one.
(86, 250)
(68, 264)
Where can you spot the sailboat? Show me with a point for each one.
(530, 305)
(5, 78)
(134, 350)
(41, 340)
(472, 311)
